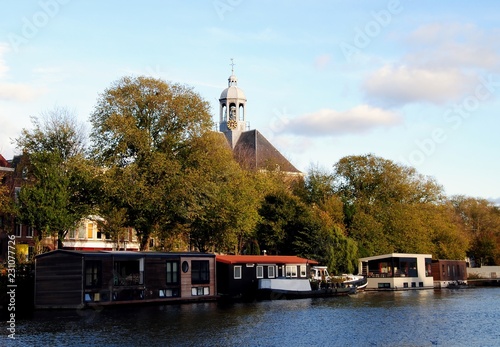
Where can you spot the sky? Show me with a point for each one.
(415, 82)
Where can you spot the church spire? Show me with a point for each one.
(232, 106)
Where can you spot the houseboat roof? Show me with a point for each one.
(102, 253)
(396, 255)
(263, 259)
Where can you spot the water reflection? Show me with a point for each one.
(412, 318)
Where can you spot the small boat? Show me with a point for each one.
(297, 288)
(457, 285)
(320, 273)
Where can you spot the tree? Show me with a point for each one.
(220, 197)
(59, 189)
(391, 208)
(480, 219)
(143, 129)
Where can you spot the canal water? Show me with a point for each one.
(461, 317)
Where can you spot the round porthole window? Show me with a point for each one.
(185, 266)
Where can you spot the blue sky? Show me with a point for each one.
(414, 82)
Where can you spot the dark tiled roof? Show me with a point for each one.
(254, 151)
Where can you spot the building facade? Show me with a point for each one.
(397, 271)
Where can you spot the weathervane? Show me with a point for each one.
(232, 66)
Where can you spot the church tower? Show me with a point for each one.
(232, 103)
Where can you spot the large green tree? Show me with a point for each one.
(223, 200)
(143, 129)
(481, 221)
(59, 187)
(392, 208)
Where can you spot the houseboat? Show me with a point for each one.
(77, 279)
(262, 277)
(397, 271)
(241, 276)
(449, 273)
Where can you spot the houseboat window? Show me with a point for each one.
(197, 291)
(428, 267)
(200, 271)
(128, 272)
(384, 285)
(172, 268)
(237, 272)
(291, 271)
(185, 266)
(271, 272)
(302, 271)
(166, 293)
(260, 271)
(93, 273)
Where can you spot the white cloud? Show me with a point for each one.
(19, 92)
(14, 91)
(442, 65)
(328, 122)
(395, 85)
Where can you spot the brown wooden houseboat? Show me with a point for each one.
(76, 279)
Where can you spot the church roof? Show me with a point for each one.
(254, 151)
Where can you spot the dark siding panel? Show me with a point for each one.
(59, 281)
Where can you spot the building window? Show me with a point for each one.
(237, 272)
(81, 231)
(168, 293)
(18, 229)
(93, 273)
(259, 271)
(405, 285)
(185, 266)
(291, 271)
(271, 272)
(90, 230)
(428, 267)
(172, 272)
(198, 291)
(128, 272)
(71, 233)
(302, 271)
(200, 271)
(29, 232)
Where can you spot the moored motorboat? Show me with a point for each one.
(320, 273)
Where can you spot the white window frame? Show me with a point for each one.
(291, 271)
(259, 272)
(18, 232)
(271, 271)
(237, 272)
(303, 271)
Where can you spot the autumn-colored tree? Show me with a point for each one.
(481, 221)
(142, 129)
(392, 208)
